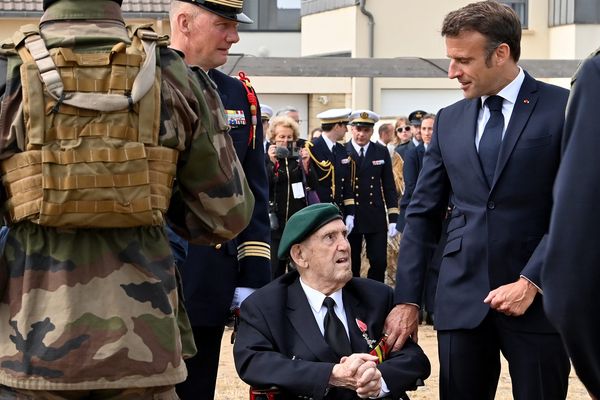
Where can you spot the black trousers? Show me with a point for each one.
(470, 362)
(202, 368)
(376, 244)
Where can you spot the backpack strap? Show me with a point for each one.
(34, 49)
(253, 101)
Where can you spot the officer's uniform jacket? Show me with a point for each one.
(211, 274)
(338, 157)
(375, 197)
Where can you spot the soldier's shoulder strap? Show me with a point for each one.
(31, 47)
(253, 101)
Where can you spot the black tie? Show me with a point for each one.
(489, 145)
(335, 333)
(361, 156)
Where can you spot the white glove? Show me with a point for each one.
(240, 294)
(392, 229)
(349, 223)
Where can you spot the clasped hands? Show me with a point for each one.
(358, 372)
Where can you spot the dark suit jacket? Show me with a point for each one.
(210, 274)
(279, 342)
(341, 164)
(404, 147)
(413, 162)
(374, 189)
(571, 275)
(494, 234)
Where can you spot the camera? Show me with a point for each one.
(291, 150)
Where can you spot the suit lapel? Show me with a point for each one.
(522, 110)
(369, 156)
(468, 138)
(354, 311)
(351, 152)
(303, 321)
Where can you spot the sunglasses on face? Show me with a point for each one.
(403, 128)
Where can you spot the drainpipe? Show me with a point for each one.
(371, 45)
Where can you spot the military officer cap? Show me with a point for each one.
(48, 3)
(415, 117)
(335, 115)
(228, 9)
(266, 112)
(363, 118)
(305, 222)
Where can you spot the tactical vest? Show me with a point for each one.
(92, 120)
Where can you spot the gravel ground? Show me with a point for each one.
(230, 387)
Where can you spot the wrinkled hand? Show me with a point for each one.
(512, 299)
(369, 383)
(349, 223)
(392, 232)
(402, 323)
(351, 369)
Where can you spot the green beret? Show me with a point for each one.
(304, 222)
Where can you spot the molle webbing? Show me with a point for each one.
(52, 187)
(92, 121)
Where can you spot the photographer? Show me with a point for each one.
(289, 185)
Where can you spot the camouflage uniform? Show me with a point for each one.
(88, 309)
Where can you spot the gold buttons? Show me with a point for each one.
(218, 246)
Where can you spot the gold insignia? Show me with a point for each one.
(364, 115)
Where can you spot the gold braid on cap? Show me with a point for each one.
(324, 166)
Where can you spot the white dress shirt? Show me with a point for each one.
(509, 93)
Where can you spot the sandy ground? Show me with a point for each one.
(230, 387)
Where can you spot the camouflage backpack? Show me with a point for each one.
(92, 156)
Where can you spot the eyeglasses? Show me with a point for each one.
(403, 128)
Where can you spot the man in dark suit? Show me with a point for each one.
(413, 162)
(217, 278)
(571, 276)
(497, 152)
(310, 332)
(375, 197)
(329, 161)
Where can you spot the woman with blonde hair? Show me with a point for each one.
(289, 183)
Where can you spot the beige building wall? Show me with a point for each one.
(412, 29)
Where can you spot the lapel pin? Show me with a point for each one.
(526, 101)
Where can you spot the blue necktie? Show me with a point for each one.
(489, 145)
(335, 333)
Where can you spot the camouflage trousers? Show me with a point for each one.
(150, 393)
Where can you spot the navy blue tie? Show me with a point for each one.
(361, 157)
(489, 145)
(335, 333)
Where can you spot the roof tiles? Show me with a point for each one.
(129, 6)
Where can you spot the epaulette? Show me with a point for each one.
(253, 101)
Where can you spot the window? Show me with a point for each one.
(521, 8)
(564, 12)
(272, 15)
